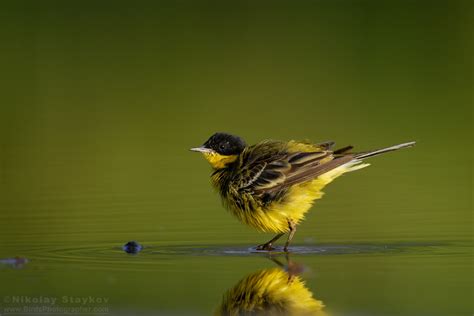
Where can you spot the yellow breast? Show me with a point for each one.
(297, 201)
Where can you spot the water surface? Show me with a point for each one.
(101, 103)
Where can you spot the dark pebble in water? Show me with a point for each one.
(132, 247)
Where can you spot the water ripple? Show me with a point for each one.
(112, 256)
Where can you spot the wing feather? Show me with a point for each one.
(269, 168)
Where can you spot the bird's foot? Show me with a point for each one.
(268, 247)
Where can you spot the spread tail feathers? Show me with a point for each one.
(383, 150)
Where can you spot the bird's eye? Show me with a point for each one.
(222, 146)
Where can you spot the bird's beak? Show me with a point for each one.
(202, 150)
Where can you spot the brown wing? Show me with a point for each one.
(271, 175)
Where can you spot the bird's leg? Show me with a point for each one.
(268, 245)
(292, 227)
(278, 262)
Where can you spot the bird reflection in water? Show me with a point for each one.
(274, 291)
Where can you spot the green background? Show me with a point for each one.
(101, 101)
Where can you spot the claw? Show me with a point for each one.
(267, 247)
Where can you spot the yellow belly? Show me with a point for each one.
(298, 200)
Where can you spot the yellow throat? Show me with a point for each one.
(219, 161)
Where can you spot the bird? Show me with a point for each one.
(272, 291)
(272, 184)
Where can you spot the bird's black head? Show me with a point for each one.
(221, 149)
(225, 144)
